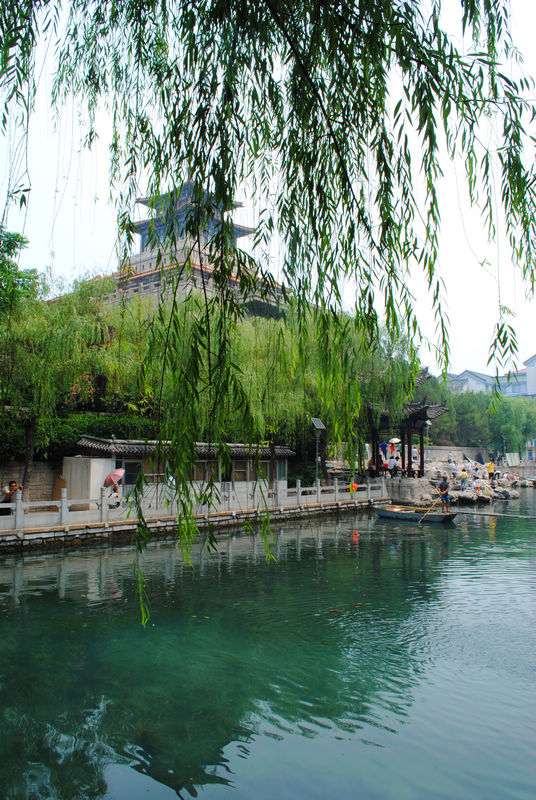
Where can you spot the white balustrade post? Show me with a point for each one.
(317, 490)
(368, 487)
(336, 489)
(19, 510)
(298, 492)
(103, 505)
(64, 508)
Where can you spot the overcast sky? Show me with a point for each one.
(70, 223)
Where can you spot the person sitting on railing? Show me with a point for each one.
(9, 491)
(393, 466)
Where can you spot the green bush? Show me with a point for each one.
(12, 441)
(66, 431)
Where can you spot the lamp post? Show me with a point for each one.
(318, 425)
(427, 432)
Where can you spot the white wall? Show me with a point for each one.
(531, 379)
(84, 475)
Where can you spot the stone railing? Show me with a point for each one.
(159, 501)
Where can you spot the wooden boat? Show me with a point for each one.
(413, 513)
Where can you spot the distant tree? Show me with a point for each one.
(515, 420)
(15, 284)
(472, 418)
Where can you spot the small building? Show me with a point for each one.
(248, 464)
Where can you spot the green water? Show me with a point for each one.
(371, 660)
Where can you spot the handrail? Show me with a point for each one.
(159, 500)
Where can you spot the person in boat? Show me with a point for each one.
(443, 490)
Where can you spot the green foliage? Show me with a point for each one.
(45, 348)
(66, 431)
(480, 419)
(15, 284)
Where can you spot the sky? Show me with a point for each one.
(70, 221)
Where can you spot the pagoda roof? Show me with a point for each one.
(162, 202)
(421, 377)
(173, 201)
(143, 225)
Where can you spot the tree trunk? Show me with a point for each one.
(30, 427)
(323, 465)
(273, 464)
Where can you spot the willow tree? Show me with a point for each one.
(50, 352)
(333, 118)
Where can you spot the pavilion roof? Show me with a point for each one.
(135, 448)
(421, 411)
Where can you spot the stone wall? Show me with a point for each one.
(439, 453)
(41, 483)
(408, 490)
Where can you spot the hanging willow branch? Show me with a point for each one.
(333, 118)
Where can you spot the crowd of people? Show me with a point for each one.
(387, 461)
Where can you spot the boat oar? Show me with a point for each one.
(431, 507)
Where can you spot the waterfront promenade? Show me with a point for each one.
(71, 521)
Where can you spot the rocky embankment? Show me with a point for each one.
(423, 491)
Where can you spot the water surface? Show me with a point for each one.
(371, 659)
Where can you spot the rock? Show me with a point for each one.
(483, 498)
(466, 497)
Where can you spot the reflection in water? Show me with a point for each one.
(332, 643)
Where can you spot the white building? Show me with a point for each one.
(514, 384)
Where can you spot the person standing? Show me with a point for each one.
(491, 470)
(443, 490)
(8, 497)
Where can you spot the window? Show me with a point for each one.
(200, 471)
(132, 470)
(259, 472)
(240, 471)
